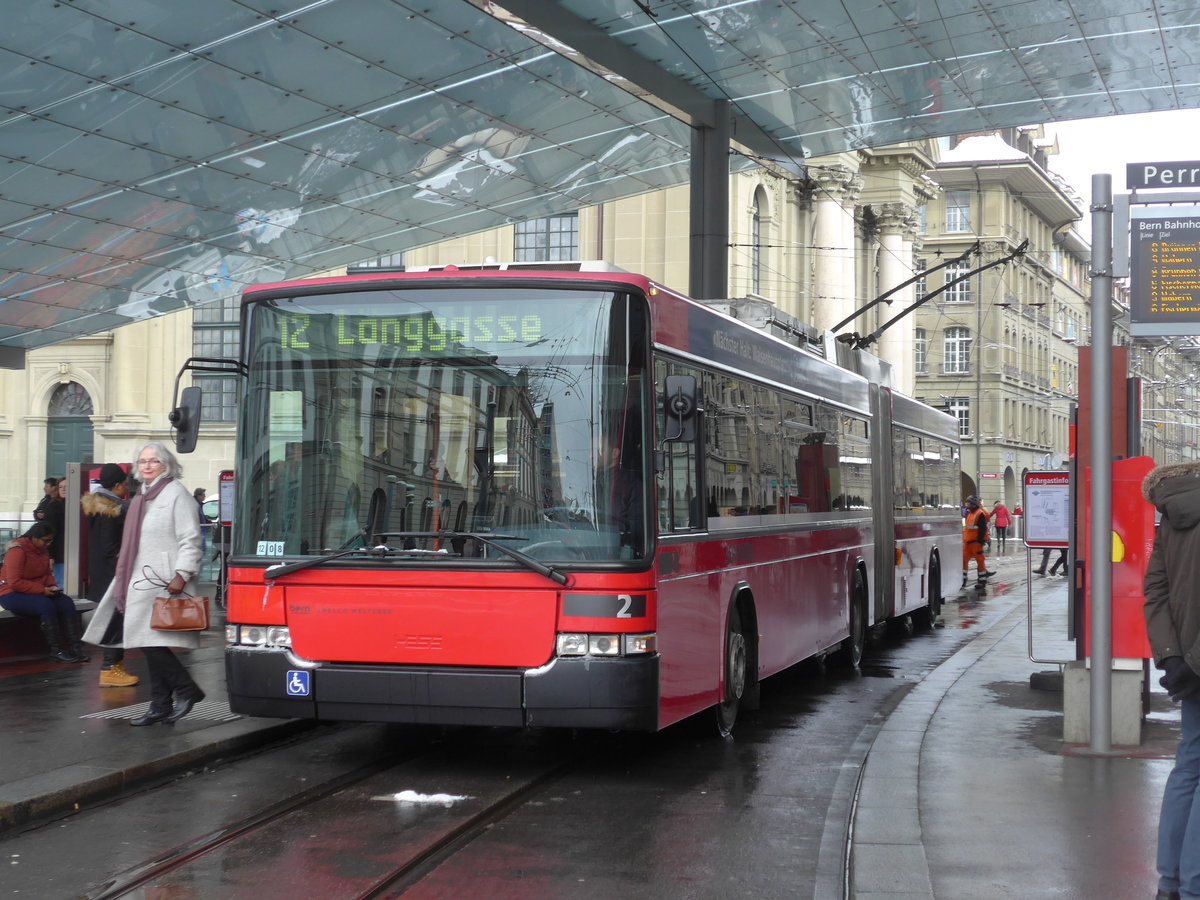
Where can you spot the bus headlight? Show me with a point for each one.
(258, 635)
(604, 645)
(640, 643)
(574, 643)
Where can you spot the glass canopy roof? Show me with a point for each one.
(160, 155)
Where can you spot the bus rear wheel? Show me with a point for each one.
(926, 617)
(850, 651)
(735, 675)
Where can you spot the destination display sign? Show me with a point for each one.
(1165, 271)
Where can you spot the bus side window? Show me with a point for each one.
(770, 485)
(730, 446)
(679, 500)
(901, 484)
(807, 468)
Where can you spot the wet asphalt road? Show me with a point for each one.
(497, 813)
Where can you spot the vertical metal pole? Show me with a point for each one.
(1100, 559)
(708, 260)
(73, 526)
(978, 348)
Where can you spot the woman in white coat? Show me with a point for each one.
(160, 554)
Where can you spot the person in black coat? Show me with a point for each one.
(104, 509)
(55, 515)
(50, 489)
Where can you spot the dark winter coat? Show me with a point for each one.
(105, 513)
(56, 515)
(1172, 582)
(43, 507)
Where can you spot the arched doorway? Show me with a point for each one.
(69, 428)
(967, 486)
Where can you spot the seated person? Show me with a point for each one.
(28, 588)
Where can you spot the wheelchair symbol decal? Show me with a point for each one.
(297, 683)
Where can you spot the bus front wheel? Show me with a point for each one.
(735, 674)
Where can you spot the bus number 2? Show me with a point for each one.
(626, 602)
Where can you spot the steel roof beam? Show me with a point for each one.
(598, 51)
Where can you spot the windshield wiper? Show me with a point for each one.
(383, 551)
(280, 569)
(373, 513)
(492, 540)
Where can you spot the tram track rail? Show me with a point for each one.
(139, 876)
(426, 844)
(444, 849)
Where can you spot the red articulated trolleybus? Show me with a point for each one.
(559, 498)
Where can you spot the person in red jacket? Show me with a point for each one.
(1001, 518)
(975, 523)
(28, 588)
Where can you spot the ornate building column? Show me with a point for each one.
(834, 292)
(897, 223)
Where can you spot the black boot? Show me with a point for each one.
(50, 633)
(70, 630)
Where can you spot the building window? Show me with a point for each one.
(961, 292)
(920, 349)
(216, 335)
(70, 399)
(958, 211)
(220, 397)
(756, 231)
(920, 287)
(548, 239)
(960, 408)
(391, 261)
(956, 351)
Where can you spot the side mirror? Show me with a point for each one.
(679, 408)
(185, 419)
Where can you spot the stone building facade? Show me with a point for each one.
(998, 349)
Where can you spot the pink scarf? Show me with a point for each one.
(131, 536)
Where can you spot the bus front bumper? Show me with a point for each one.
(569, 692)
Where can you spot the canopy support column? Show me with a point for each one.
(708, 258)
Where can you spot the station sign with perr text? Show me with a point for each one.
(1163, 175)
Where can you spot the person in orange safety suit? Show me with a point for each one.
(975, 525)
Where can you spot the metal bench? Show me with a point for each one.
(21, 636)
(81, 606)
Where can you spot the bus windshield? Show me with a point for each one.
(513, 413)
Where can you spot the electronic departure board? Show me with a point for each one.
(1165, 271)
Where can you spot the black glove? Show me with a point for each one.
(1180, 681)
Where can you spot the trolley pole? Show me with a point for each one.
(1099, 563)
